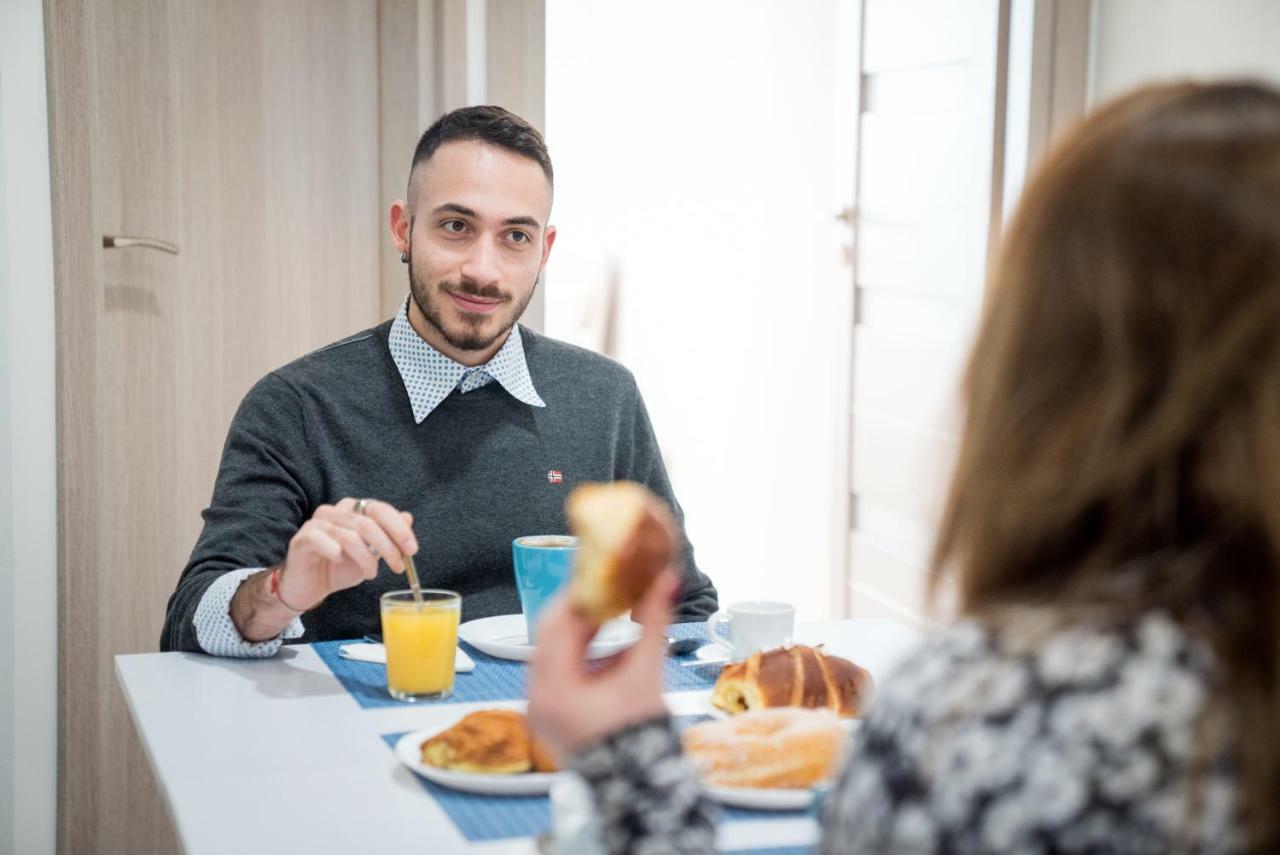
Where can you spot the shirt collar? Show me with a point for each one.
(429, 376)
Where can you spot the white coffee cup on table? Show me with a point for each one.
(753, 625)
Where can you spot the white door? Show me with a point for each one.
(928, 188)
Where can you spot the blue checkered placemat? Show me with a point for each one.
(482, 818)
(493, 679)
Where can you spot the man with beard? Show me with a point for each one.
(443, 433)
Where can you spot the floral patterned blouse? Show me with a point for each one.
(1034, 737)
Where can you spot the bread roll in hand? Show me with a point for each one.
(626, 537)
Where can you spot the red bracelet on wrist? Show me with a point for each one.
(275, 590)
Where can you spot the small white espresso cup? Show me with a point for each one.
(753, 625)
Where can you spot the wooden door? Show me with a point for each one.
(245, 132)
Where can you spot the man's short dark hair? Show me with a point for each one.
(486, 124)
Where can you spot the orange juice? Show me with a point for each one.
(420, 639)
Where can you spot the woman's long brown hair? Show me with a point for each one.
(1121, 442)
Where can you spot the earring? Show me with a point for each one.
(404, 257)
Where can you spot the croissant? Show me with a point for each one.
(496, 742)
(793, 677)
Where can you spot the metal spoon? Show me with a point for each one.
(682, 646)
(412, 573)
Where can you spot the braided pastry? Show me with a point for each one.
(793, 677)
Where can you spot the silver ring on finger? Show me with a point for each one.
(373, 550)
(361, 504)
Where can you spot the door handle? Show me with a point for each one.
(113, 242)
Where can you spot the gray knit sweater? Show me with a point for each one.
(474, 474)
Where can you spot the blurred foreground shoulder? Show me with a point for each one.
(1003, 738)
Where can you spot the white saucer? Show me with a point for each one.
(712, 653)
(506, 637)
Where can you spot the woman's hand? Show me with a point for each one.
(573, 704)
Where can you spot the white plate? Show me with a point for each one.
(409, 752)
(506, 637)
(753, 799)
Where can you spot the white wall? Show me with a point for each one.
(1141, 41)
(28, 486)
(695, 154)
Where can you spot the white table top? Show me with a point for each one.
(274, 755)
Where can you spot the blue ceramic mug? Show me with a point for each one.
(543, 564)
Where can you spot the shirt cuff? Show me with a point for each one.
(647, 795)
(216, 631)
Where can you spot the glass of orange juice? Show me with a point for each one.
(420, 638)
